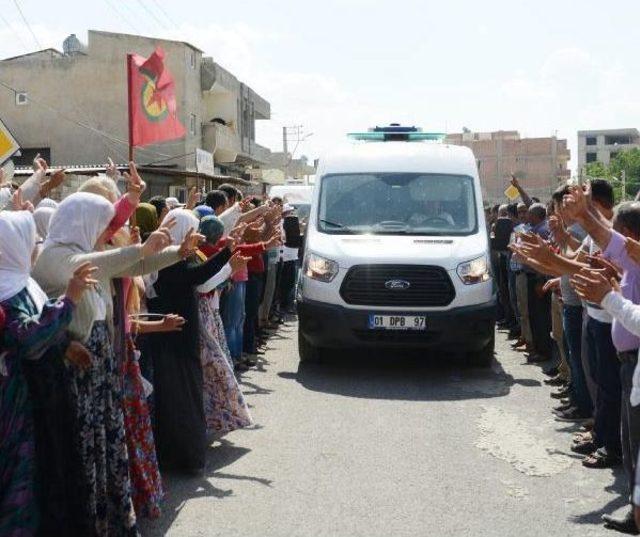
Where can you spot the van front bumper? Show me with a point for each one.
(463, 329)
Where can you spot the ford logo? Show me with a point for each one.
(397, 284)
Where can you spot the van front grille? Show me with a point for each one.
(397, 285)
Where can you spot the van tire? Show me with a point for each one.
(483, 357)
(307, 352)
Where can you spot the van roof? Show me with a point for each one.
(410, 157)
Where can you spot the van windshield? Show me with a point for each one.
(397, 203)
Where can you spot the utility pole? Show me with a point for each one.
(624, 185)
(285, 150)
(295, 132)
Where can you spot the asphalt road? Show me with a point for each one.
(392, 445)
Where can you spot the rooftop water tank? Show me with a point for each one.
(72, 45)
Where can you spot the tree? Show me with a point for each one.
(629, 162)
(625, 161)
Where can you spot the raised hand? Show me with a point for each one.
(19, 204)
(576, 203)
(156, 242)
(78, 355)
(592, 285)
(172, 323)
(238, 262)
(552, 285)
(274, 240)
(190, 243)
(112, 170)
(40, 165)
(136, 184)
(82, 279)
(599, 263)
(134, 235)
(245, 204)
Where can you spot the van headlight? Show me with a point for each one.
(320, 268)
(474, 271)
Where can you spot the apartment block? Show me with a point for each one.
(540, 163)
(604, 145)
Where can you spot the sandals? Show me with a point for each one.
(601, 459)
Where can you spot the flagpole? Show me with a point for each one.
(129, 105)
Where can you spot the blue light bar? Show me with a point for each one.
(397, 136)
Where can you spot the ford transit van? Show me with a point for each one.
(397, 250)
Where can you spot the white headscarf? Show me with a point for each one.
(42, 217)
(47, 202)
(79, 220)
(185, 220)
(17, 242)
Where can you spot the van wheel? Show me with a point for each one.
(308, 352)
(483, 357)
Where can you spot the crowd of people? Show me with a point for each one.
(124, 327)
(568, 279)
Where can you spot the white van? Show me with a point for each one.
(397, 250)
(295, 194)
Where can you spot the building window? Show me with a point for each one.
(22, 98)
(617, 140)
(192, 59)
(592, 157)
(27, 154)
(192, 125)
(592, 140)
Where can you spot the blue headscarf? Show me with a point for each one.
(203, 210)
(212, 228)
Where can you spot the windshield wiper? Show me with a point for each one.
(330, 223)
(338, 225)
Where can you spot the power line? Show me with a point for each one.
(155, 18)
(119, 15)
(35, 38)
(15, 32)
(162, 10)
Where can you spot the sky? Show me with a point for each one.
(543, 68)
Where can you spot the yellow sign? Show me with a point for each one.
(8, 144)
(511, 192)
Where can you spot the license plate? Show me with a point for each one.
(397, 322)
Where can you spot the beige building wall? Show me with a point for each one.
(540, 163)
(92, 89)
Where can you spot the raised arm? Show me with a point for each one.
(578, 206)
(195, 274)
(526, 199)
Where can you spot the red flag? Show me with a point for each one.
(152, 101)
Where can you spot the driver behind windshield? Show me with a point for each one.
(432, 213)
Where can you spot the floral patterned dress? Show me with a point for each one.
(224, 405)
(146, 483)
(98, 402)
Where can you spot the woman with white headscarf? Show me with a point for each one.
(40, 485)
(180, 430)
(77, 233)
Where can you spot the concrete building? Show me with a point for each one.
(283, 168)
(540, 163)
(603, 145)
(71, 107)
